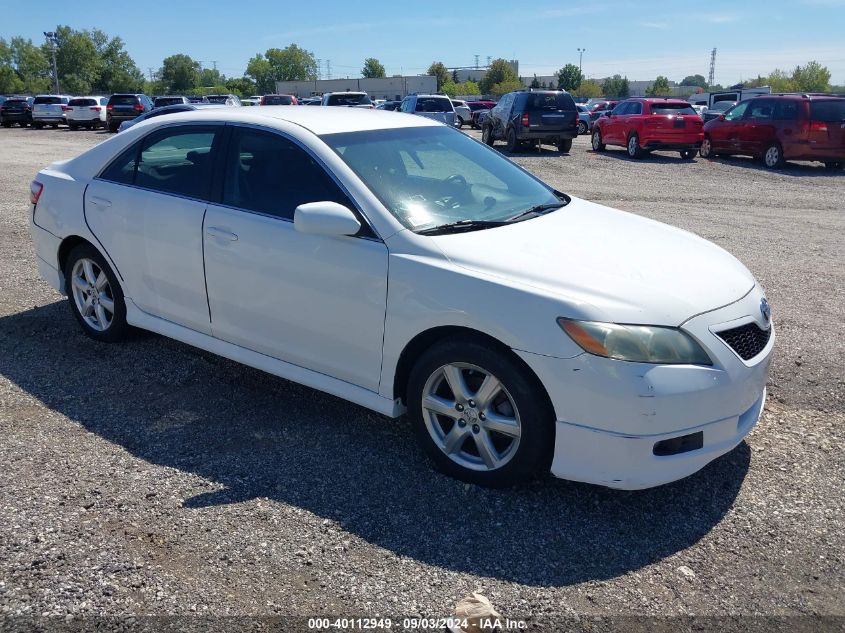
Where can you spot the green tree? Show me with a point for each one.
(535, 83)
(470, 88)
(695, 80)
(9, 80)
(179, 73)
(451, 88)
(119, 73)
(439, 70)
(31, 65)
(241, 86)
(373, 68)
(505, 87)
(813, 77)
(660, 87)
(589, 88)
(499, 72)
(569, 78)
(291, 63)
(260, 72)
(212, 77)
(455, 76)
(616, 86)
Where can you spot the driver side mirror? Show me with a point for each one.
(325, 218)
(721, 117)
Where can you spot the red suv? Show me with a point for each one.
(777, 128)
(645, 125)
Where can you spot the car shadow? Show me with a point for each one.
(790, 168)
(260, 436)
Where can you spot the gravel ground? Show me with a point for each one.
(151, 478)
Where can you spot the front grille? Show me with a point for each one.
(746, 340)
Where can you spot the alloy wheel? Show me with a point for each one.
(471, 416)
(705, 148)
(772, 157)
(92, 294)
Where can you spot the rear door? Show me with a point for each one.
(551, 112)
(147, 210)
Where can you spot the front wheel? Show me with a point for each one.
(511, 144)
(564, 145)
(582, 128)
(634, 149)
(706, 149)
(598, 146)
(478, 416)
(95, 296)
(773, 156)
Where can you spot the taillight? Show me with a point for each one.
(96, 108)
(109, 107)
(525, 120)
(139, 107)
(35, 189)
(818, 126)
(66, 108)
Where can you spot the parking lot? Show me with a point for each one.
(154, 478)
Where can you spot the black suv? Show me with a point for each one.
(542, 116)
(123, 107)
(16, 110)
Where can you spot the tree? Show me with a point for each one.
(260, 72)
(119, 73)
(292, 63)
(243, 87)
(470, 88)
(78, 61)
(535, 83)
(589, 88)
(616, 86)
(179, 73)
(499, 72)
(455, 76)
(373, 68)
(438, 69)
(31, 66)
(505, 87)
(695, 80)
(660, 87)
(451, 88)
(813, 77)
(211, 77)
(569, 78)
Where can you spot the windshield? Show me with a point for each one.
(348, 100)
(672, 108)
(433, 104)
(430, 176)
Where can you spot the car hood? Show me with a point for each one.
(606, 264)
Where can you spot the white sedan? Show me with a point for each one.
(401, 265)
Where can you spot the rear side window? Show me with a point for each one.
(177, 161)
(82, 102)
(278, 100)
(830, 111)
(786, 110)
(672, 108)
(268, 173)
(553, 101)
(432, 104)
(122, 100)
(49, 100)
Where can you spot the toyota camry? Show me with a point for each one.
(397, 263)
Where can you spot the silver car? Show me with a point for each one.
(437, 107)
(463, 112)
(49, 110)
(584, 123)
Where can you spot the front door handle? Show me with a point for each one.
(221, 234)
(100, 202)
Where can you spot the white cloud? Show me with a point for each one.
(653, 25)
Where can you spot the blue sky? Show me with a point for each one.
(640, 40)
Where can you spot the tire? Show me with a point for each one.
(633, 146)
(7, 124)
(113, 128)
(520, 446)
(706, 149)
(835, 165)
(598, 146)
(773, 156)
(582, 128)
(460, 123)
(511, 144)
(73, 126)
(55, 126)
(688, 154)
(90, 282)
(564, 145)
(487, 136)
(38, 126)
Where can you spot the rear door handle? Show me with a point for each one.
(220, 234)
(100, 202)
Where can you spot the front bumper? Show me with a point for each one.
(610, 414)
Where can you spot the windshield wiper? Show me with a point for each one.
(462, 225)
(540, 209)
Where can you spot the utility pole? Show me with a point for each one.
(581, 52)
(712, 77)
(150, 68)
(489, 59)
(52, 39)
(328, 69)
(319, 69)
(476, 61)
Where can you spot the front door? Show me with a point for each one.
(314, 301)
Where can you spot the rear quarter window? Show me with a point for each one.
(830, 111)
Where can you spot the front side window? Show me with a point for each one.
(736, 113)
(177, 161)
(270, 174)
(431, 176)
(762, 110)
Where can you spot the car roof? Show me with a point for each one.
(319, 121)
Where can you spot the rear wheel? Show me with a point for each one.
(582, 127)
(564, 145)
(73, 126)
(773, 156)
(460, 123)
(688, 154)
(113, 127)
(55, 126)
(634, 150)
(487, 135)
(38, 126)
(598, 146)
(477, 414)
(7, 124)
(706, 150)
(835, 165)
(94, 294)
(511, 144)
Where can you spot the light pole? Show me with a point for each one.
(581, 52)
(52, 38)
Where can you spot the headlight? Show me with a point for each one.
(636, 343)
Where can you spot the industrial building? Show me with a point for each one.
(396, 87)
